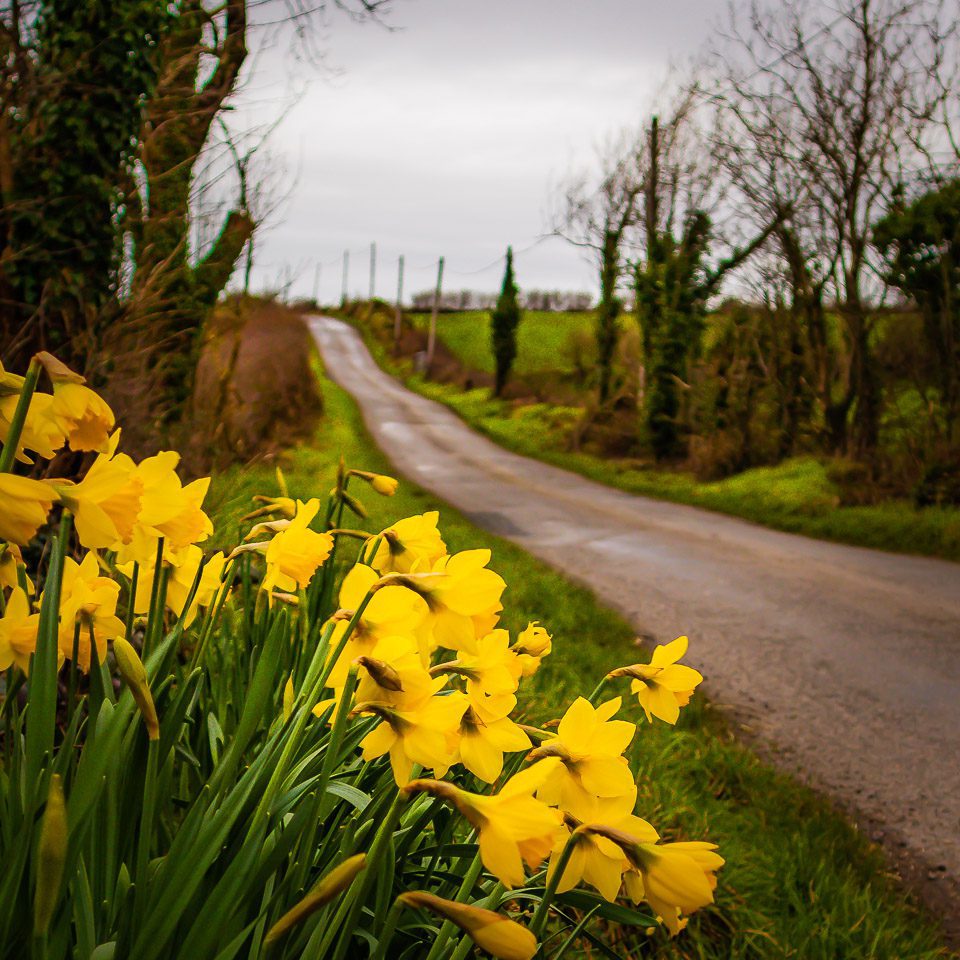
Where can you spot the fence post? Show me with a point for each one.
(432, 336)
(346, 276)
(398, 314)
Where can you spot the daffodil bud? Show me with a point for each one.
(385, 486)
(273, 506)
(334, 882)
(135, 676)
(57, 370)
(500, 937)
(51, 856)
(382, 673)
(353, 503)
(288, 697)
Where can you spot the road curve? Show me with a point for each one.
(845, 660)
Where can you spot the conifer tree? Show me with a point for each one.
(503, 326)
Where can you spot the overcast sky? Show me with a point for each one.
(444, 135)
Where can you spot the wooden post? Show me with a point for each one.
(398, 314)
(373, 269)
(432, 336)
(316, 284)
(346, 275)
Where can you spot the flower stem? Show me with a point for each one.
(19, 418)
(543, 908)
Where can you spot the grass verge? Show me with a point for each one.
(799, 880)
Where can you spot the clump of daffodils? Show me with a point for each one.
(312, 731)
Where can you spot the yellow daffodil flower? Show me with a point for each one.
(674, 878)
(26, 504)
(589, 745)
(392, 609)
(408, 542)
(89, 600)
(393, 674)
(421, 735)
(168, 509)
(294, 554)
(41, 433)
(11, 559)
(662, 686)
(84, 416)
(515, 828)
(595, 858)
(18, 632)
(106, 502)
(494, 668)
(181, 580)
(533, 644)
(457, 589)
(497, 935)
(485, 736)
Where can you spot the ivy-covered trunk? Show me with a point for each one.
(74, 80)
(173, 288)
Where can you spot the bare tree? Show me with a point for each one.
(595, 212)
(824, 113)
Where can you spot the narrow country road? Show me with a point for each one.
(846, 660)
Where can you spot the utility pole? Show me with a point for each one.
(398, 315)
(346, 277)
(316, 283)
(373, 269)
(432, 337)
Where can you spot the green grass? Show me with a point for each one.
(543, 339)
(799, 880)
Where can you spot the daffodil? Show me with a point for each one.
(662, 686)
(84, 416)
(26, 504)
(88, 603)
(457, 589)
(514, 827)
(11, 559)
(674, 878)
(18, 632)
(592, 770)
(294, 554)
(168, 509)
(533, 644)
(421, 735)
(393, 674)
(485, 736)
(41, 433)
(499, 936)
(493, 669)
(408, 542)
(106, 502)
(181, 579)
(596, 859)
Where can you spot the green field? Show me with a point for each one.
(799, 880)
(543, 339)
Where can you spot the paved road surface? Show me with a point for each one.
(846, 659)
